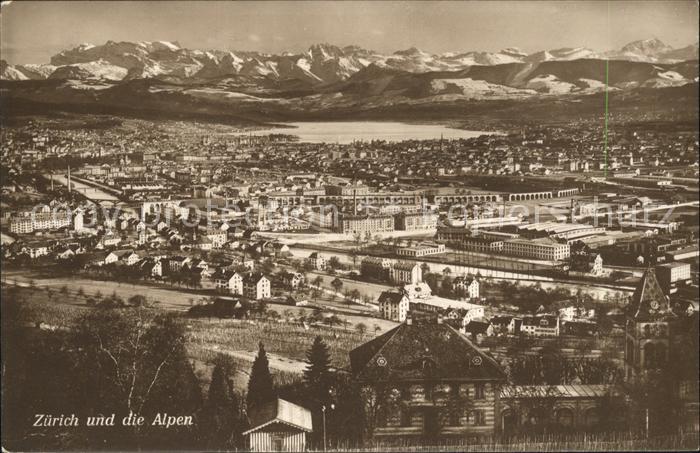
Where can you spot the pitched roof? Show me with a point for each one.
(391, 296)
(280, 411)
(476, 327)
(411, 351)
(405, 265)
(648, 300)
(254, 278)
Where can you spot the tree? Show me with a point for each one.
(221, 424)
(334, 262)
(361, 328)
(425, 269)
(138, 300)
(260, 386)
(135, 360)
(317, 376)
(337, 284)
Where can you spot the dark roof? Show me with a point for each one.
(501, 319)
(390, 296)
(253, 278)
(422, 349)
(477, 327)
(649, 300)
(405, 265)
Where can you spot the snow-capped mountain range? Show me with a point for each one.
(320, 65)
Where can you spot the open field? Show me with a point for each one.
(286, 343)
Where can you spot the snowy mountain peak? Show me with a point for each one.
(648, 47)
(322, 63)
(513, 51)
(412, 52)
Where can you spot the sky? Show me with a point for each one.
(33, 31)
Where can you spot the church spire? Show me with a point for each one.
(649, 300)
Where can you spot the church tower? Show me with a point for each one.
(647, 329)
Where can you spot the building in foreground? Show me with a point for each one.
(427, 381)
(661, 347)
(278, 426)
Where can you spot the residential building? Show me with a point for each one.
(293, 279)
(151, 267)
(176, 263)
(28, 222)
(393, 305)
(473, 313)
(228, 281)
(467, 286)
(376, 268)
(406, 272)
(539, 326)
(256, 286)
(431, 365)
(317, 261)
(36, 250)
(108, 240)
(217, 237)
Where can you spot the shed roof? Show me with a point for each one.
(280, 411)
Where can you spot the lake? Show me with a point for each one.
(344, 132)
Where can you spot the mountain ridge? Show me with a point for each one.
(321, 64)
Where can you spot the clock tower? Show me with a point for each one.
(647, 329)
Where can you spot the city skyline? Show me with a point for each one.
(386, 27)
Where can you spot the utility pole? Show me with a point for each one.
(324, 427)
(323, 409)
(646, 421)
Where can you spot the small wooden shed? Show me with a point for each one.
(278, 426)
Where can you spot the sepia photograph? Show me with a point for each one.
(349, 226)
